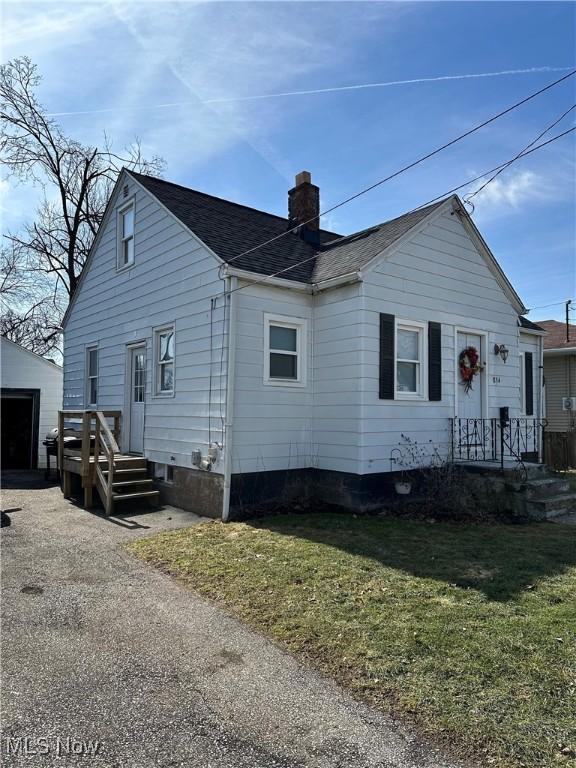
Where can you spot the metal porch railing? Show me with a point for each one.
(495, 440)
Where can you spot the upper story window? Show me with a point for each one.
(91, 376)
(410, 363)
(126, 235)
(285, 358)
(165, 358)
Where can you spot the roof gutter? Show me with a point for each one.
(279, 282)
(560, 351)
(533, 331)
(334, 282)
(258, 278)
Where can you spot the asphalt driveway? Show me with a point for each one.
(108, 662)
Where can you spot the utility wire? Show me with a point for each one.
(407, 167)
(526, 148)
(265, 278)
(545, 306)
(502, 165)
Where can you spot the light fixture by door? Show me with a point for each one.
(502, 350)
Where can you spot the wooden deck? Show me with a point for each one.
(88, 446)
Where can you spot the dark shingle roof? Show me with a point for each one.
(230, 229)
(351, 253)
(525, 323)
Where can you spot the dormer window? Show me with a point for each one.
(126, 236)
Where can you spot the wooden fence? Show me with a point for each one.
(560, 450)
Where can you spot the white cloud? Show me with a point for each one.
(27, 32)
(515, 191)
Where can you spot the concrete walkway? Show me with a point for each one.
(98, 647)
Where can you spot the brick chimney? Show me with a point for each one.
(304, 206)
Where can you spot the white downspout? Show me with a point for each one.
(231, 284)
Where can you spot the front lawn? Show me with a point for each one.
(469, 630)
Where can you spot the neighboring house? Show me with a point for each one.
(250, 372)
(560, 375)
(31, 399)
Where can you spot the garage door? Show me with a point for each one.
(20, 412)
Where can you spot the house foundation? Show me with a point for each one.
(195, 491)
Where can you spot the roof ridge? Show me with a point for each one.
(223, 199)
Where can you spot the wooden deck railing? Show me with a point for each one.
(93, 437)
(104, 444)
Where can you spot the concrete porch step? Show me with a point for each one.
(533, 471)
(551, 506)
(546, 487)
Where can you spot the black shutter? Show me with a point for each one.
(434, 361)
(386, 357)
(528, 384)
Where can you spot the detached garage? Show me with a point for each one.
(31, 398)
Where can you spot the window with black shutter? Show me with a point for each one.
(387, 346)
(434, 361)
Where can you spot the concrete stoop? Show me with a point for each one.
(539, 495)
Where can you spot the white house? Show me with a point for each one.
(251, 362)
(31, 399)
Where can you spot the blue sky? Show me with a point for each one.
(120, 61)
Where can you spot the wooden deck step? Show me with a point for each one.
(136, 495)
(131, 483)
(129, 471)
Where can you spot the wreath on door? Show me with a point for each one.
(469, 366)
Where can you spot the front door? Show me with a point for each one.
(473, 435)
(470, 403)
(137, 361)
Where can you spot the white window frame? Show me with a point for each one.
(422, 378)
(300, 325)
(170, 327)
(162, 473)
(120, 264)
(88, 349)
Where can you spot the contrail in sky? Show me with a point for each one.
(335, 89)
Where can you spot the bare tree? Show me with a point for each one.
(31, 306)
(37, 328)
(76, 179)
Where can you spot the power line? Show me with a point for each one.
(526, 148)
(502, 165)
(545, 306)
(406, 167)
(454, 189)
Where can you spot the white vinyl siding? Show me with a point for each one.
(272, 424)
(24, 370)
(436, 275)
(174, 279)
(333, 419)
